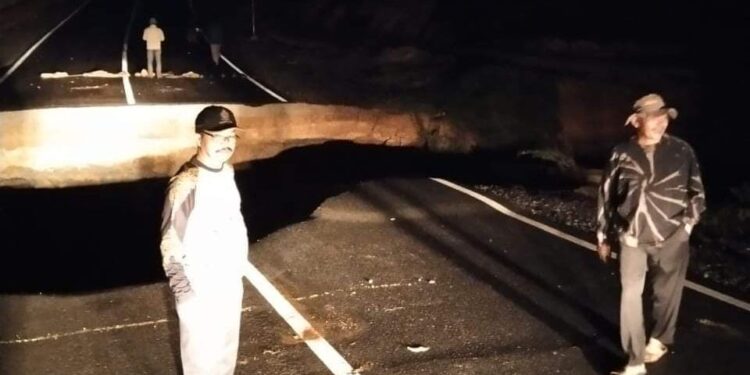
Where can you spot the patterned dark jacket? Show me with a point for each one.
(644, 198)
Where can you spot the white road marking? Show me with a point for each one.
(717, 295)
(499, 207)
(83, 331)
(362, 288)
(247, 77)
(129, 96)
(330, 357)
(39, 43)
(97, 87)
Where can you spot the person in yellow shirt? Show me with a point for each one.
(153, 36)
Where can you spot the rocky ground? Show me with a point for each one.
(719, 258)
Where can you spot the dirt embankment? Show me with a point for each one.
(524, 75)
(512, 101)
(126, 143)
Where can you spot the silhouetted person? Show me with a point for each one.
(650, 198)
(215, 37)
(153, 36)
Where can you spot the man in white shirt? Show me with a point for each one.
(153, 36)
(204, 248)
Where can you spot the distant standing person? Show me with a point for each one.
(650, 199)
(204, 248)
(215, 36)
(153, 36)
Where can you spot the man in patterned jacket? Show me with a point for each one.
(650, 198)
(204, 248)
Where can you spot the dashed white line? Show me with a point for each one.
(82, 331)
(39, 43)
(499, 207)
(116, 327)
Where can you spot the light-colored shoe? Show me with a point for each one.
(631, 370)
(654, 351)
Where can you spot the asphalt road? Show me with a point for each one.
(379, 266)
(93, 40)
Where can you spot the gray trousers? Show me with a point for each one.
(668, 264)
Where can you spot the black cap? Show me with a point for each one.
(214, 118)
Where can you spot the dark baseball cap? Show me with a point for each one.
(214, 118)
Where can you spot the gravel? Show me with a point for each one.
(716, 261)
(564, 207)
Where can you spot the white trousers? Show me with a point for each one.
(210, 329)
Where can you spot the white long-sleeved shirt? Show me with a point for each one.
(202, 226)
